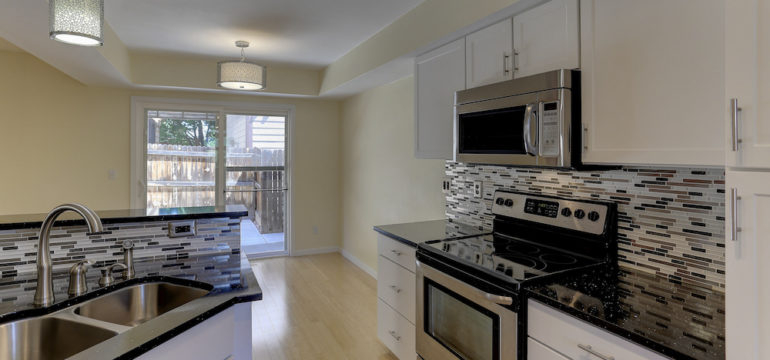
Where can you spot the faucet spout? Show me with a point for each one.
(44, 295)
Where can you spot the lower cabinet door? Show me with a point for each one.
(396, 286)
(538, 351)
(395, 331)
(577, 339)
(225, 336)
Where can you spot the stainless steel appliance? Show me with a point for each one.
(469, 290)
(531, 121)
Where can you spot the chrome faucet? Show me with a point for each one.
(44, 295)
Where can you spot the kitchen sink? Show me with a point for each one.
(48, 338)
(139, 303)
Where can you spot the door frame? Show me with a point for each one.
(138, 161)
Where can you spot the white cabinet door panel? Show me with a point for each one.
(547, 38)
(567, 335)
(653, 81)
(747, 76)
(748, 271)
(399, 252)
(396, 286)
(438, 75)
(395, 331)
(538, 351)
(488, 54)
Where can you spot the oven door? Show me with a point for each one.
(458, 321)
(498, 131)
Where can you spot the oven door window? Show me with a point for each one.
(466, 329)
(498, 131)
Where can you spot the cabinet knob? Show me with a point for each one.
(395, 288)
(396, 252)
(398, 338)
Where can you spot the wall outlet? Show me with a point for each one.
(478, 189)
(446, 184)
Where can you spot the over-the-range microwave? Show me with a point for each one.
(531, 121)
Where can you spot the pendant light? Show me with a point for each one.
(241, 74)
(77, 22)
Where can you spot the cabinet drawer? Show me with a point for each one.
(538, 351)
(395, 331)
(570, 336)
(399, 252)
(396, 286)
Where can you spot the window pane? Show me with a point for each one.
(181, 158)
(255, 140)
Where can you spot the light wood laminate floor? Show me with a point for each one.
(315, 307)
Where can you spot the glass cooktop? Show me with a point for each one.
(511, 259)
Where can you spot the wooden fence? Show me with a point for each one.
(179, 176)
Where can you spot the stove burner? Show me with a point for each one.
(558, 259)
(523, 249)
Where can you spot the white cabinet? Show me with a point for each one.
(748, 271)
(537, 351)
(488, 54)
(438, 74)
(653, 81)
(225, 336)
(546, 38)
(396, 285)
(576, 339)
(747, 77)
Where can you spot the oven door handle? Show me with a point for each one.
(497, 299)
(529, 113)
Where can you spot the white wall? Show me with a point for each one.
(59, 139)
(382, 182)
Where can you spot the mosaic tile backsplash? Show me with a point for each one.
(70, 244)
(671, 220)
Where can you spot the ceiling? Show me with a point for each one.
(311, 33)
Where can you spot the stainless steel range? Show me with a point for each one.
(469, 290)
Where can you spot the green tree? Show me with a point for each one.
(188, 132)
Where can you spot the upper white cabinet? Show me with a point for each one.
(747, 66)
(438, 74)
(747, 270)
(653, 81)
(488, 54)
(546, 38)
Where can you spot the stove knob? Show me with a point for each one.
(579, 213)
(499, 201)
(593, 216)
(508, 202)
(566, 212)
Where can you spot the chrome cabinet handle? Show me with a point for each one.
(395, 288)
(735, 111)
(394, 335)
(515, 60)
(735, 229)
(398, 253)
(529, 113)
(590, 350)
(505, 63)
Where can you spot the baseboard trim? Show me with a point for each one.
(347, 255)
(317, 251)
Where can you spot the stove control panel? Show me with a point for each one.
(577, 215)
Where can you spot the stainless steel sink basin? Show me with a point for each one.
(136, 304)
(48, 338)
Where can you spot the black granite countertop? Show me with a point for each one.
(417, 232)
(128, 215)
(678, 320)
(228, 276)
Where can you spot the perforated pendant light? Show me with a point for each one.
(241, 74)
(77, 22)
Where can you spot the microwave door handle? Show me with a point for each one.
(529, 113)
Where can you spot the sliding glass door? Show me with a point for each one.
(210, 157)
(256, 177)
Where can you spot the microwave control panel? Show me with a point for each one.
(550, 129)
